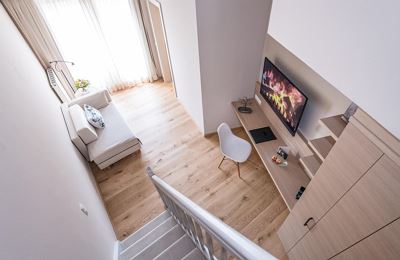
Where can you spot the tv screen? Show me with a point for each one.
(283, 96)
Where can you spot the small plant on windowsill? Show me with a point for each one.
(81, 84)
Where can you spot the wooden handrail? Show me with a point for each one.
(187, 212)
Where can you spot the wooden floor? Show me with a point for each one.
(178, 153)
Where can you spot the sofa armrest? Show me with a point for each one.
(76, 140)
(97, 99)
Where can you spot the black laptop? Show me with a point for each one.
(261, 135)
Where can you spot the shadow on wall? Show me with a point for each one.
(323, 98)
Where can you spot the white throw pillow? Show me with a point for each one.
(82, 127)
(94, 116)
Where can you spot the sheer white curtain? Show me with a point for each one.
(104, 39)
(33, 27)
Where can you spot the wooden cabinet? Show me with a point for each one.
(384, 244)
(352, 155)
(353, 200)
(373, 202)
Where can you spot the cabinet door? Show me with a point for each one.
(350, 158)
(384, 244)
(372, 203)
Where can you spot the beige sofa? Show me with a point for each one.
(111, 143)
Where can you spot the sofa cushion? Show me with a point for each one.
(114, 138)
(94, 116)
(82, 127)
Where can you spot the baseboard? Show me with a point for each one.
(116, 250)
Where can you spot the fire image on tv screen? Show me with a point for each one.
(284, 97)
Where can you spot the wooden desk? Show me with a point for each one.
(287, 179)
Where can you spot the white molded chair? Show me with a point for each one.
(232, 147)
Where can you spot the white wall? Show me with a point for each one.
(181, 31)
(354, 45)
(231, 38)
(323, 99)
(43, 177)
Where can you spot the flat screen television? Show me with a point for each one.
(283, 96)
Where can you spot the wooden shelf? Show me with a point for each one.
(335, 125)
(287, 179)
(310, 164)
(322, 146)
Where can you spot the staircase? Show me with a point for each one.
(186, 231)
(161, 239)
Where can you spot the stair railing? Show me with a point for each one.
(205, 229)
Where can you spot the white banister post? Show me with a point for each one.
(149, 172)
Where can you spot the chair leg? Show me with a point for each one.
(221, 162)
(238, 169)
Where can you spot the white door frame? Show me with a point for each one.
(158, 5)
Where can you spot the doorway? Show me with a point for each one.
(160, 41)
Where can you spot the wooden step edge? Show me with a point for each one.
(147, 228)
(195, 254)
(322, 146)
(149, 237)
(335, 125)
(179, 249)
(160, 244)
(310, 165)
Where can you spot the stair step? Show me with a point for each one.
(310, 164)
(148, 238)
(144, 230)
(177, 250)
(195, 254)
(159, 245)
(335, 125)
(322, 146)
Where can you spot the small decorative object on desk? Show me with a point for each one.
(244, 108)
(351, 110)
(279, 160)
(281, 155)
(283, 151)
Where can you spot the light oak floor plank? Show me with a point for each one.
(178, 153)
